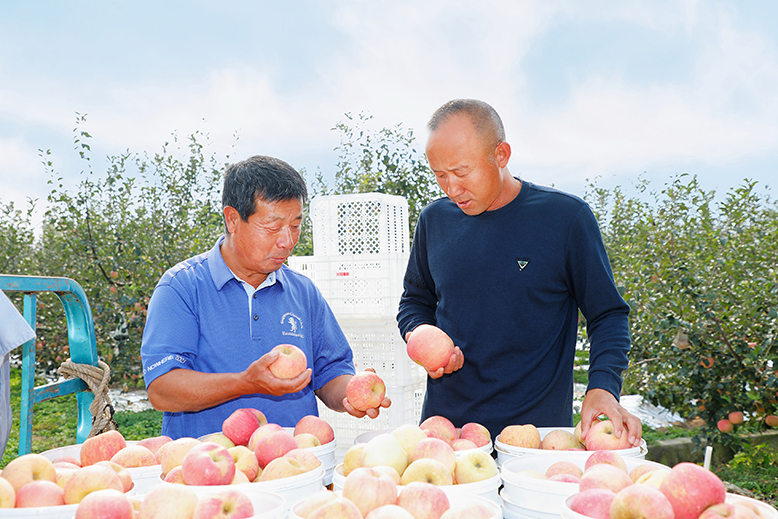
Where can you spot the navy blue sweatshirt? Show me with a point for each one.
(506, 285)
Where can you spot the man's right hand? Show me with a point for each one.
(455, 362)
(258, 376)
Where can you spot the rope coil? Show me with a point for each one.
(97, 379)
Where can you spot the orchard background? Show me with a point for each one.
(698, 268)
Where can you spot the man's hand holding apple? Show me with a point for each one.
(601, 402)
(365, 395)
(433, 349)
(260, 375)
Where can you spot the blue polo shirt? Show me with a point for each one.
(199, 318)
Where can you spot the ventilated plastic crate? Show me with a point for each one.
(378, 345)
(405, 409)
(357, 287)
(363, 223)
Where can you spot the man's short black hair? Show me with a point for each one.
(261, 177)
(485, 119)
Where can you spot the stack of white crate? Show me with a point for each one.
(361, 248)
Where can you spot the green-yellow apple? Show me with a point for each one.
(7, 494)
(105, 504)
(430, 347)
(409, 435)
(89, 479)
(439, 427)
(274, 446)
(224, 504)
(594, 502)
(290, 363)
(240, 425)
(208, 464)
(641, 502)
(175, 476)
(133, 456)
(389, 471)
(40, 493)
(306, 458)
(601, 436)
(691, 489)
(560, 440)
(653, 478)
(338, 508)
(218, 438)
(365, 390)
(239, 478)
(101, 447)
(245, 461)
(384, 449)
(525, 436)
(427, 470)
(306, 440)
(476, 433)
(604, 475)
(369, 488)
(172, 454)
(316, 426)
(281, 467)
(435, 448)
(353, 458)
(63, 474)
(475, 465)
(423, 500)
(28, 468)
(168, 502)
(639, 470)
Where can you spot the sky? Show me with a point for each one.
(610, 90)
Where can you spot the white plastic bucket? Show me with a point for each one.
(366, 437)
(325, 453)
(511, 510)
(267, 505)
(47, 512)
(506, 452)
(766, 511)
(488, 488)
(541, 495)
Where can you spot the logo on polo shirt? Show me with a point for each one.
(294, 324)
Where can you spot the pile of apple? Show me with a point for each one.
(687, 491)
(427, 453)
(372, 493)
(599, 437)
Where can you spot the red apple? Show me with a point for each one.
(224, 504)
(28, 468)
(439, 427)
(608, 457)
(369, 488)
(565, 478)
(101, 447)
(208, 464)
(40, 493)
(603, 475)
(430, 347)
(89, 479)
(560, 440)
(316, 426)
(435, 448)
(105, 504)
(291, 361)
(601, 437)
(262, 432)
(476, 433)
(240, 425)
(134, 456)
(641, 502)
(274, 446)
(691, 489)
(423, 500)
(771, 420)
(736, 417)
(564, 467)
(365, 391)
(154, 443)
(524, 436)
(725, 426)
(594, 503)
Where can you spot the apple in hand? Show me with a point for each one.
(475, 465)
(316, 426)
(28, 468)
(89, 479)
(208, 464)
(439, 427)
(291, 361)
(168, 502)
(601, 437)
(369, 488)
(691, 489)
(524, 436)
(641, 502)
(40, 493)
(105, 504)
(476, 433)
(423, 500)
(365, 390)
(240, 425)
(594, 502)
(427, 470)
(430, 347)
(224, 504)
(101, 447)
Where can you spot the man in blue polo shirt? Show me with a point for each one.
(213, 318)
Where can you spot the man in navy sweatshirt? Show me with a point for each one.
(503, 267)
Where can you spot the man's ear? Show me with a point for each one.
(231, 217)
(502, 153)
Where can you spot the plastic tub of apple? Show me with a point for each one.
(526, 440)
